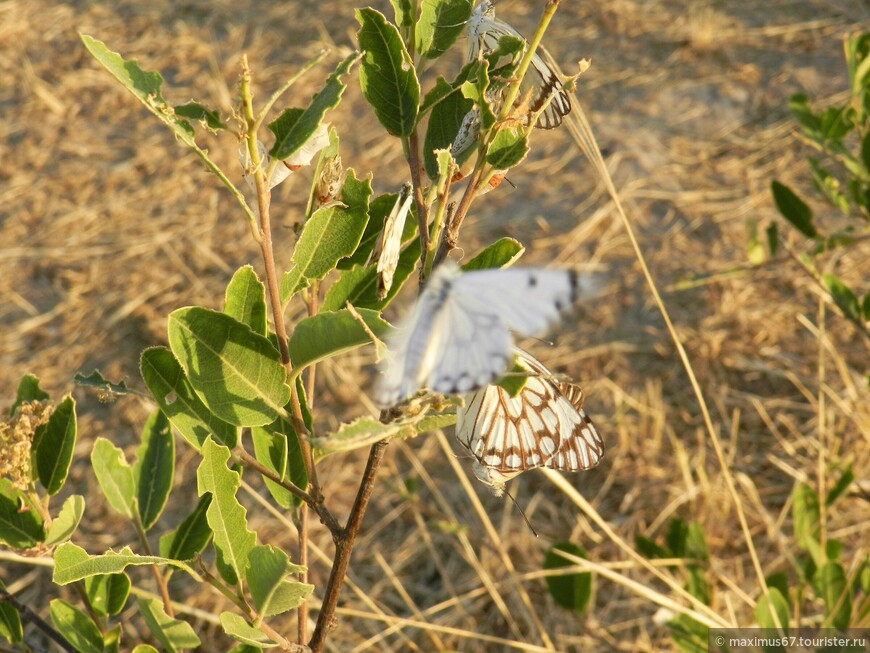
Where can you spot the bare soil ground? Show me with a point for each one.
(107, 224)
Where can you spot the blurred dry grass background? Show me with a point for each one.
(106, 225)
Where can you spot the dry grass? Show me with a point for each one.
(107, 225)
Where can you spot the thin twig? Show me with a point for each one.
(344, 546)
(29, 616)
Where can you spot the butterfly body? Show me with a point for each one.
(540, 81)
(545, 425)
(458, 336)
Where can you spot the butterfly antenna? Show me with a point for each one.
(528, 523)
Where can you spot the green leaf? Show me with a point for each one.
(828, 185)
(865, 150)
(402, 9)
(114, 475)
(793, 209)
(276, 446)
(97, 381)
(842, 484)
(10, 621)
(695, 546)
(226, 516)
(331, 234)
(515, 381)
(328, 334)
(246, 299)
(191, 536)
(508, 148)
(359, 286)
(144, 85)
(842, 296)
(572, 591)
(107, 593)
(444, 124)
(441, 22)
(503, 253)
(241, 631)
(211, 118)
(387, 76)
(236, 373)
(173, 634)
(72, 563)
(179, 402)
(53, 446)
(365, 432)
(778, 581)
(865, 306)
(21, 526)
(64, 525)
(835, 593)
(76, 627)
(145, 648)
(271, 591)
(772, 238)
(154, 468)
(379, 209)
(689, 635)
(649, 549)
(112, 639)
(771, 608)
(294, 127)
(808, 121)
(805, 515)
(28, 390)
(754, 251)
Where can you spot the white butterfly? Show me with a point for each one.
(458, 337)
(543, 426)
(389, 245)
(484, 31)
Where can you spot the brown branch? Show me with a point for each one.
(344, 546)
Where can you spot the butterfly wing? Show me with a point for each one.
(543, 426)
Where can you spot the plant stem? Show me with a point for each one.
(412, 150)
(344, 546)
(158, 577)
(29, 616)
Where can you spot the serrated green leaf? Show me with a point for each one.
(64, 525)
(154, 469)
(444, 123)
(72, 563)
(835, 593)
(21, 526)
(331, 333)
(276, 446)
(97, 381)
(245, 299)
(508, 148)
(173, 634)
(572, 591)
(503, 253)
(441, 22)
(28, 390)
(365, 432)
(191, 536)
(387, 76)
(842, 296)
(331, 234)
(76, 627)
(270, 589)
(53, 446)
(114, 475)
(241, 631)
(211, 118)
(107, 593)
(772, 608)
(793, 209)
(294, 127)
(179, 402)
(144, 85)
(226, 516)
(236, 373)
